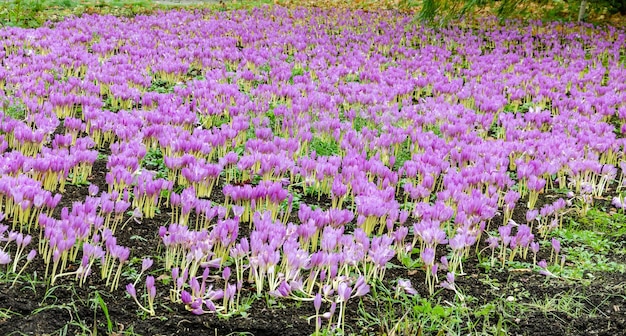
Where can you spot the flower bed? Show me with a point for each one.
(218, 163)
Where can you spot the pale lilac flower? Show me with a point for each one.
(5, 258)
(449, 282)
(534, 246)
(130, 289)
(146, 263)
(556, 245)
(31, 255)
(405, 286)
(428, 256)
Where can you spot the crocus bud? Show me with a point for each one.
(145, 264)
(26, 240)
(130, 289)
(226, 273)
(556, 245)
(428, 256)
(18, 239)
(137, 215)
(152, 292)
(361, 288)
(238, 210)
(317, 302)
(31, 255)
(330, 313)
(93, 189)
(449, 283)
(149, 281)
(185, 297)
(210, 305)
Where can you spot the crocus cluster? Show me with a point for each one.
(405, 140)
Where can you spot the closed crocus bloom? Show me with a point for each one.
(146, 263)
(31, 255)
(317, 302)
(130, 289)
(556, 245)
(428, 256)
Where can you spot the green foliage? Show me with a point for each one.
(271, 117)
(408, 262)
(517, 108)
(78, 182)
(7, 313)
(265, 68)
(220, 120)
(64, 3)
(24, 13)
(161, 86)
(295, 202)
(506, 8)
(103, 306)
(14, 111)
(324, 147)
(352, 77)
(359, 123)
(613, 224)
(404, 155)
(429, 10)
(432, 128)
(443, 11)
(33, 13)
(555, 13)
(153, 160)
(297, 71)
(108, 104)
(591, 244)
(568, 303)
(403, 314)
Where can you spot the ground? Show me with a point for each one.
(526, 302)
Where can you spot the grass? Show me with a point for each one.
(34, 13)
(590, 244)
(14, 111)
(324, 147)
(97, 299)
(153, 160)
(6, 314)
(402, 314)
(161, 86)
(404, 155)
(568, 303)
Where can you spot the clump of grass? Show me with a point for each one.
(153, 160)
(14, 111)
(324, 147)
(403, 313)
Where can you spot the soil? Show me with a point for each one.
(36, 309)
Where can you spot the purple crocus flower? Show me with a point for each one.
(5, 258)
(405, 286)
